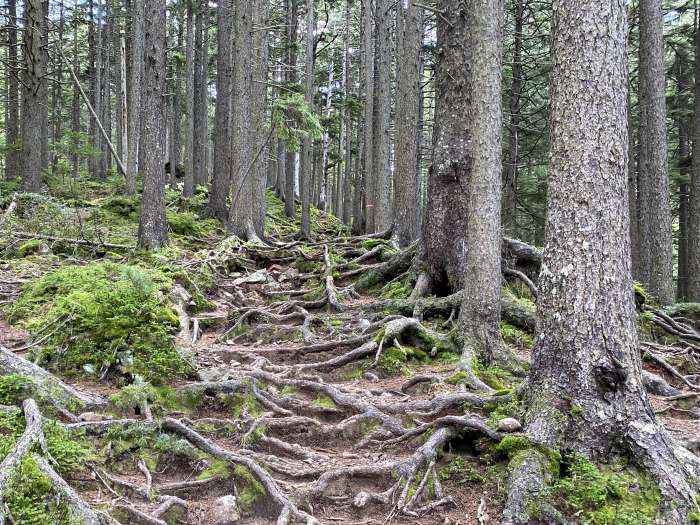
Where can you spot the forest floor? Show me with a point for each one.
(311, 391)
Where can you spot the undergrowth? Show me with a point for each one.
(110, 318)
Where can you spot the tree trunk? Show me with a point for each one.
(153, 226)
(307, 153)
(382, 213)
(260, 129)
(683, 87)
(584, 392)
(289, 184)
(34, 95)
(409, 37)
(201, 40)
(241, 212)
(656, 249)
(188, 187)
(694, 204)
(221, 180)
(13, 160)
(480, 85)
(136, 86)
(75, 103)
(516, 89)
(361, 214)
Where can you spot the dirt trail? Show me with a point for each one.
(339, 409)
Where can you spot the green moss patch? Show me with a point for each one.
(608, 495)
(114, 318)
(515, 336)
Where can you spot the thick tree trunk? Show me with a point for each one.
(34, 95)
(443, 248)
(241, 212)
(480, 86)
(683, 81)
(307, 148)
(585, 392)
(633, 202)
(382, 213)
(153, 226)
(409, 37)
(136, 88)
(656, 248)
(221, 180)
(510, 176)
(13, 159)
(364, 202)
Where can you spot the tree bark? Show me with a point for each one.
(656, 249)
(188, 186)
(201, 41)
(516, 87)
(307, 149)
(221, 180)
(153, 226)
(262, 135)
(136, 88)
(480, 83)
(586, 355)
(382, 213)
(13, 159)
(34, 95)
(241, 211)
(290, 163)
(409, 37)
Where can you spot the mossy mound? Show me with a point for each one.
(110, 317)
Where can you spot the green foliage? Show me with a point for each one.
(30, 497)
(457, 377)
(607, 496)
(14, 388)
(324, 401)
(189, 224)
(29, 248)
(122, 206)
(292, 120)
(512, 408)
(394, 359)
(250, 490)
(452, 469)
(493, 376)
(241, 404)
(159, 399)
(515, 336)
(115, 318)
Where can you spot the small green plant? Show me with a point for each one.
(250, 490)
(515, 336)
(14, 388)
(323, 401)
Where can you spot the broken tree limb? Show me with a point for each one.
(80, 242)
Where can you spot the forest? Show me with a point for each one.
(365, 262)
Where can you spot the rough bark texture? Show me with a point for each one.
(260, 102)
(12, 162)
(188, 188)
(443, 247)
(34, 103)
(409, 36)
(135, 92)
(201, 40)
(586, 353)
(510, 176)
(382, 213)
(218, 207)
(240, 215)
(290, 162)
(362, 199)
(153, 226)
(480, 316)
(656, 248)
(307, 148)
(684, 86)
(633, 204)
(693, 284)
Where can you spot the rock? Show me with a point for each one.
(258, 277)
(371, 377)
(214, 374)
(509, 424)
(361, 500)
(43, 249)
(93, 417)
(225, 511)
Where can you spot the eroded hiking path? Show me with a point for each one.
(313, 399)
